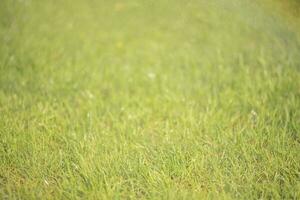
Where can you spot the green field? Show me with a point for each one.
(144, 99)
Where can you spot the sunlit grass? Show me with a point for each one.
(149, 100)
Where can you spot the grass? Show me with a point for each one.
(143, 99)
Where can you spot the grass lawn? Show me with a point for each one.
(144, 99)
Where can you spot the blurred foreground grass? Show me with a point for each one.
(149, 99)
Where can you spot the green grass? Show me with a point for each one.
(143, 99)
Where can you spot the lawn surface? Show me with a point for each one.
(143, 99)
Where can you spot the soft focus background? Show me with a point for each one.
(144, 99)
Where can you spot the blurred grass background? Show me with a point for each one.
(149, 99)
